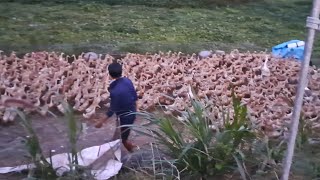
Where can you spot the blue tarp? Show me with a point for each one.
(291, 49)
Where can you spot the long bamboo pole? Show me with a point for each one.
(300, 92)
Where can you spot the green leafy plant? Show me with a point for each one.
(72, 133)
(43, 168)
(268, 154)
(304, 132)
(199, 151)
(76, 171)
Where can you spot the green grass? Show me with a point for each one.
(129, 26)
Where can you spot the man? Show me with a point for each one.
(123, 103)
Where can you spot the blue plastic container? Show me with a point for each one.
(291, 49)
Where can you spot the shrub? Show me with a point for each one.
(43, 169)
(200, 151)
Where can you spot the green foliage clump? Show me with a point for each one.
(200, 151)
(43, 168)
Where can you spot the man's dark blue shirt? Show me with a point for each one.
(123, 97)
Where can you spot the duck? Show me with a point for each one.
(265, 71)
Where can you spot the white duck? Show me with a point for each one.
(265, 71)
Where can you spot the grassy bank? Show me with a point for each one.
(130, 26)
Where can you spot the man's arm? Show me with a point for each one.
(137, 107)
(100, 123)
(133, 91)
(108, 114)
(135, 95)
(113, 103)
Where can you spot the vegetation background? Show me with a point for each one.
(140, 26)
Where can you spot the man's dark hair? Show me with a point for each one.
(115, 70)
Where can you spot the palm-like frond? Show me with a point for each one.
(207, 152)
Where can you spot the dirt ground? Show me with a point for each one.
(53, 135)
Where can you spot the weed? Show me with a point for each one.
(204, 153)
(43, 168)
(76, 172)
(303, 132)
(72, 132)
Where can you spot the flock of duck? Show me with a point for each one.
(265, 84)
